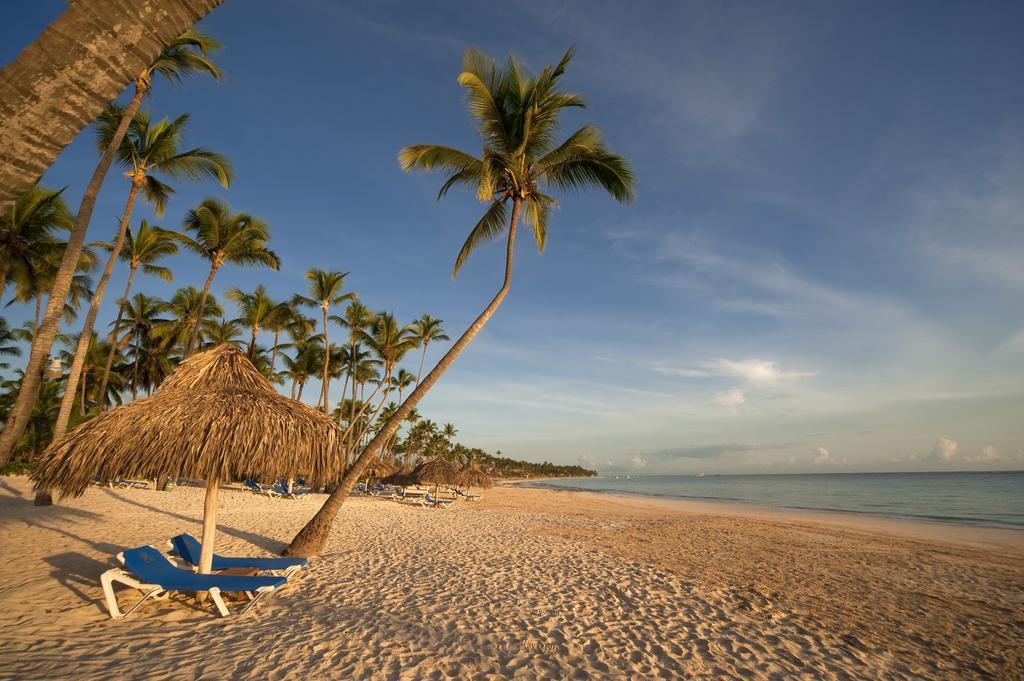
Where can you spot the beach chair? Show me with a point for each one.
(148, 570)
(463, 496)
(437, 503)
(130, 484)
(256, 488)
(188, 549)
(282, 490)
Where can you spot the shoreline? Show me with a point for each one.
(968, 534)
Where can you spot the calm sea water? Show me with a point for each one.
(991, 499)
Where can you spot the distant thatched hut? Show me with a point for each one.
(474, 476)
(216, 418)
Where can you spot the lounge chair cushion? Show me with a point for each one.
(189, 548)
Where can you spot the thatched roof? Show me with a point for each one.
(403, 476)
(215, 417)
(474, 476)
(379, 468)
(437, 471)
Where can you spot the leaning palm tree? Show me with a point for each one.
(324, 290)
(142, 248)
(147, 149)
(182, 56)
(94, 49)
(222, 237)
(254, 311)
(517, 117)
(27, 238)
(426, 330)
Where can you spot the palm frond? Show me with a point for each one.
(490, 226)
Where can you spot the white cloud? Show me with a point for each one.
(639, 461)
(757, 371)
(729, 399)
(823, 457)
(989, 453)
(944, 449)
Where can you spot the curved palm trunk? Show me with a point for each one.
(42, 340)
(311, 539)
(113, 340)
(202, 307)
(67, 402)
(63, 80)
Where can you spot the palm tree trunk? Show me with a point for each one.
(326, 379)
(68, 399)
(312, 538)
(35, 320)
(85, 376)
(423, 358)
(42, 340)
(273, 354)
(301, 386)
(3, 282)
(113, 339)
(63, 80)
(252, 342)
(202, 307)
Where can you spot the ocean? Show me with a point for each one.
(992, 499)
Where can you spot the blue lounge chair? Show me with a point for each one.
(439, 503)
(188, 548)
(149, 570)
(257, 488)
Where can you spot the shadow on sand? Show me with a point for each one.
(265, 543)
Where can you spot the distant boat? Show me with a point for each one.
(698, 475)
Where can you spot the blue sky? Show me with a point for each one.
(822, 271)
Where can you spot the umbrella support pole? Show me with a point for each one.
(209, 526)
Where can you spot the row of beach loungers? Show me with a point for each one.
(415, 495)
(152, 572)
(278, 490)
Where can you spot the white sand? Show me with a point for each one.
(527, 584)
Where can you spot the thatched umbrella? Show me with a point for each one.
(437, 471)
(402, 477)
(215, 418)
(379, 468)
(474, 476)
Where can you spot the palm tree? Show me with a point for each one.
(27, 233)
(254, 310)
(325, 290)
(356, 318)
(146, 149)
(278, 321)
(402, 381)
(183, 309)
(136, 324)
(217, 331)
(37, 283)
(426, 330)
(7, 339)
(94, 49)
(221, 238)
(182, 56)
(517, 117)
(142, 249)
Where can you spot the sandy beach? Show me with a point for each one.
(529, 583)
